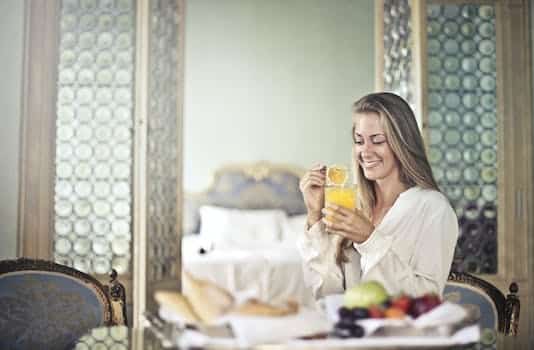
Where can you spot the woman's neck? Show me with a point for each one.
(387, 191)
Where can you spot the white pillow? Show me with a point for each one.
(293, 226)
(237, 228)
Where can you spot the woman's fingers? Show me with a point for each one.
(318, 166)
(339, 233)
(347, 223)
(311, 181)
(335, 221)
(349, 213)
(344, 212)
(339, 229)
(315, 178)
(316, 175)
(332, 215)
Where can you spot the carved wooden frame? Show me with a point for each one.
(144, 284)
(112, 297)
(36, 191)
(507, 307)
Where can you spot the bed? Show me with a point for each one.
(241, 232)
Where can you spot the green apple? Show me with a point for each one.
(365, 294)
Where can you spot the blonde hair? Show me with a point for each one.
(406, 143)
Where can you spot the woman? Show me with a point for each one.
(405, 231)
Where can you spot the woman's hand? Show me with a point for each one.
(312, 188)
(351, 224)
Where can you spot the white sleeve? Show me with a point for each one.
(318, 251)
(424, 268)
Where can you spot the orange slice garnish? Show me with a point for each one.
(337, 175)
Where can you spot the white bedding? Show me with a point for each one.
(272, 274)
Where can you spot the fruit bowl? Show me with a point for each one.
(366, 310)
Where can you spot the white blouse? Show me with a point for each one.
(410, 251)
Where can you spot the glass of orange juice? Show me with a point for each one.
(337, 191)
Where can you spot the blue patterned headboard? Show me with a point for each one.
(259, 185)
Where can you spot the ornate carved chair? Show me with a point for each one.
(49, 306)
(496, 312)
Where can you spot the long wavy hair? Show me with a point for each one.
(404, 139)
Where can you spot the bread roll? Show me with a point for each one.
(208, 300)
(254, 307)
(177, 303)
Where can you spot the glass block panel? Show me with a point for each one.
(397, 49)
(94, 135)
(163, 141)
(112, 338)
(462, 124)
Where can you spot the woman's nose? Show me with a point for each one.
(366, 147)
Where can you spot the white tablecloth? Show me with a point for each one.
(273, 274)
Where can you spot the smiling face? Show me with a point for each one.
(371, 149)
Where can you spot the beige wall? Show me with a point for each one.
(273, 80)
(11, 46)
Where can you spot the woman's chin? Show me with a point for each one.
(373, 175)
(370, 176)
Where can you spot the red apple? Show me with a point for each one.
(376, 312)
(402, 302)
(432, 300)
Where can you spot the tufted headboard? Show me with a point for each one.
(260, 185)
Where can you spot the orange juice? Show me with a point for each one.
(342, 196)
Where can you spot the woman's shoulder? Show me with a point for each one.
(428, 197)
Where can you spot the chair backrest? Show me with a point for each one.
(496, 312)
(49, 306)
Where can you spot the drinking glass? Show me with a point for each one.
(337, 191)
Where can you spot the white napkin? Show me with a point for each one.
(331, 304)
(467, 335)
(169, 315)
(446, 313)
(193, 339)
(253, 330)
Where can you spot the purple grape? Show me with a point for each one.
(346, 330)
(357, 331)
(419, 307)
(346, 322)
(341, 333)
(344, 313)
(386, 304)
(342, 330)
(343, 324)
(359, 313)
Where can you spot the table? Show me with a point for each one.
(153, 338)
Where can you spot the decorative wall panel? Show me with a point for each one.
(462, 124)
(163, 147)
(93, 161)
(111, 338)
(398, 40)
